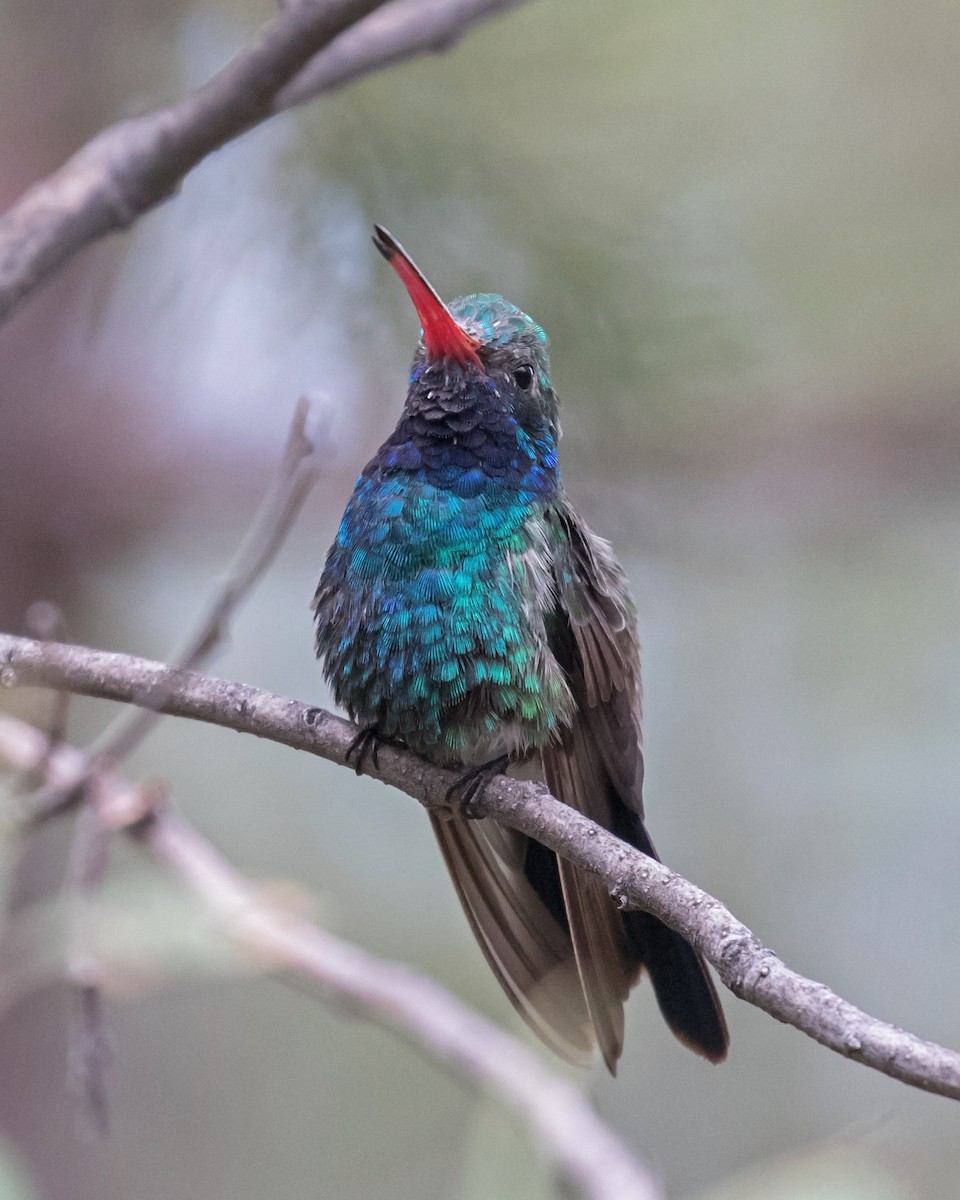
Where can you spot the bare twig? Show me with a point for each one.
(569, 1132)
(748, 968)
(297, 473)
(90, 853)
(395, 32)
(131, 167)
(414, 1005)
(89, 859)
(295, 476)
(87, 1036)
(46, 622)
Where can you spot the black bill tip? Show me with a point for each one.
(386, 243)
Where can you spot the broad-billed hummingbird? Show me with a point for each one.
(466, 612)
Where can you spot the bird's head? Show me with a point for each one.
(480, 352)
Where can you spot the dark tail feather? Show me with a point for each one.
(684, 989)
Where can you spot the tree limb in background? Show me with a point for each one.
(395, 32)
(46, 622)
(298, 471)
(132, 166)
(87, 1040)
(748, 968)
(570, 1133)
(90, 852)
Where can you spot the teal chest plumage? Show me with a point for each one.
(433, 604)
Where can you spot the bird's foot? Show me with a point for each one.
(464, 795)
(366, 745)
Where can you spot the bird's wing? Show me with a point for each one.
(598, 765)
(509, 890)
(598, 769)
(593, 636)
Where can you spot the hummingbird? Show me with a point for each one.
(466, 612)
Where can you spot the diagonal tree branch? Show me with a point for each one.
(131, 167)
(571, 1135)
(748, 968)
(395, 32)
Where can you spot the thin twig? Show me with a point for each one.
(88, 863)
(131, 167)
(395, 32)
(298, 471)
(46, 622)
(414, 1005)
(288, 490)
(571, 1135)
(90, 851)
(748, 968)
(87, 1039)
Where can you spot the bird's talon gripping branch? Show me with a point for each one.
(464, 796)
(366, 745)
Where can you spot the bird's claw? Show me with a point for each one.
(366, 745)
(465, 795)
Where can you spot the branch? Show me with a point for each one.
(90, 853)
(570, 1133)
(746, 967)
(397, 31)
(87, 1043)
(131, 167)
(47, 623)
(299, 469)
(87, 1039)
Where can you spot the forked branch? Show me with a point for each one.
(570, 1134)
(131, 167)
(748, 968)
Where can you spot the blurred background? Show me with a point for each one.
(738, 222)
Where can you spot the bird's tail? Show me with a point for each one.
(684, 990)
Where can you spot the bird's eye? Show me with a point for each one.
(524, 377)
